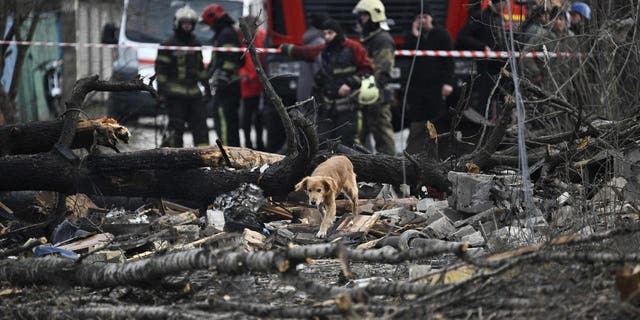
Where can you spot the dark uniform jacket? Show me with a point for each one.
(225, 65)
(486, 30)
(429, 75)
(178, 72)
(342, 63)
(381, 49)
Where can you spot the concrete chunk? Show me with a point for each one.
(440, 229)
(464, 231)
(475, 239)
(470, 192)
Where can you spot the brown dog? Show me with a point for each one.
(325, 183)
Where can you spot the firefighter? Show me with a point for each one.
(178, 74)
(376, 117)
(223, 70)
(339, 84)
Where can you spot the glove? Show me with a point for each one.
(286, 48)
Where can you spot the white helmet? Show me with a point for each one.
(185, 14)
(375, 9)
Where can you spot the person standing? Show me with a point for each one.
(376, 117)
(485, 33)
(339, 80)
(552, 74)
(223, 69)
(178, 73)
(580, 14)
(251, 91)
(534, 25)
(431, 81)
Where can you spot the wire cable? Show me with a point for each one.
(522, 150)
(406, 92)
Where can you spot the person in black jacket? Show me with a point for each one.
(224, 71)
(485, 33)
(431, 81)
(178, 73)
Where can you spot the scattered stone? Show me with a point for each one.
(475, 239)
(419, 270)
(512, 237)
(215, 218)
(486, 215)
(187, 233)
(470, 192)
(464, 231)
(424, 204)
(177, 219)
(440, 229)
(254, 240)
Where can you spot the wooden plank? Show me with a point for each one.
(89, 243)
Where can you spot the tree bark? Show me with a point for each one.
(40, 136)
(54, 270)
(389, 169)
(181, 158)
(46, 171)
(178, 173)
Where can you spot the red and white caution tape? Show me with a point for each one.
(420, 53)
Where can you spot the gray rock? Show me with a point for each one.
(424, 204)
(419, 270)
(470, 192)
(464, 231)
(440, 229)
(475, 239)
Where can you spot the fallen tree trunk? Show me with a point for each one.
(54, 270)
(40, 136)
(181, 158)
(107, 312)
(167, 173)
(46, 171)
(420, 169)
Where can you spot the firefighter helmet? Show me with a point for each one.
(374, 8)
(211, 14)
(185, 14)
(369, 92)
(581, 8)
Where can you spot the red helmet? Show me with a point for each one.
(212, 13)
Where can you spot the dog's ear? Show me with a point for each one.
(302, 185)
(331, 184)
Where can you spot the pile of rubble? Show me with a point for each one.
(426, 251)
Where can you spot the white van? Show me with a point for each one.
(144, 25)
